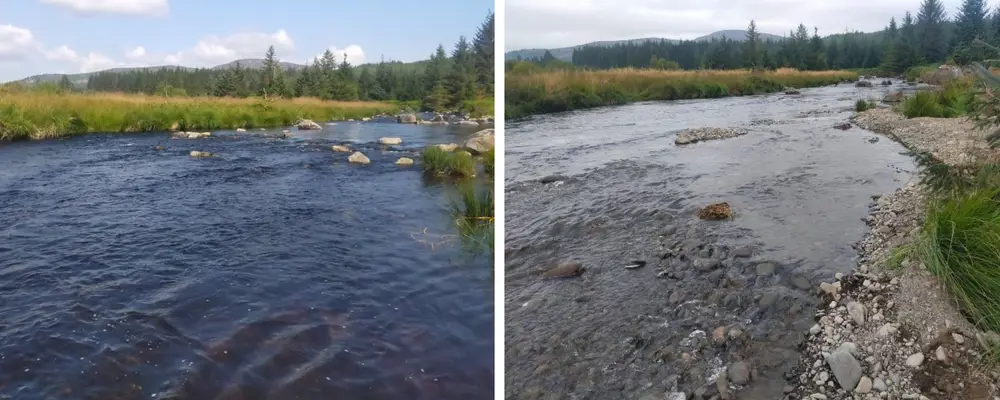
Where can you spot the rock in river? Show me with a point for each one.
(564, 271)
(404, 161)
(894, 97)
(716, 211)
(195, 153)
(358, 158)
(701, 134)
(739, 373)
(341, 149)
(392, 141)
(481, 142)
(407, 119)
(308, 125)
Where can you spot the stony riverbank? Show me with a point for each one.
(892, 333)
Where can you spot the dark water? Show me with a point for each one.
(275, 270)
(798, 187)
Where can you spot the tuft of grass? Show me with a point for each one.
(39, 115)
(473, 211)
(534, 91)
(953, 100)
(488, 160)
(455, 164)
(960, 244)
(864, 105)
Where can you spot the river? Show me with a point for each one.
(798, 187)
(274, 270)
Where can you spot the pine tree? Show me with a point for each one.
(482, 49)
(995, 26)
(971, 22)
(65, 85)
(462, 79)
(436, 69)
(366, 82)
(891, 32)
(753, 46)
(930, 31)
(817, 54)
(224, 84)
(273, 83)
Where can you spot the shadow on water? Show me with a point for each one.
(798, 186)
(275, 270)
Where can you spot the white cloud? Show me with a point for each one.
(16, 43)
(151, 8)
(355, 55)
(62, 53)
(561, 23)
(214, 50)
(137, 53)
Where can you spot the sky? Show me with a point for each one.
(72, 36)
(564, 23)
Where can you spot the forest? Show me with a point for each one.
(930, 37)
(443, 82)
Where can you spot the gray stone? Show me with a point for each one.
(706, 264)
(739, 372)
(915, 360)
(846, 369)
(742, 252)
(766, 268)
(857, 312)
(864, 386)
(879, 385)
(801, 282)
(768, 299)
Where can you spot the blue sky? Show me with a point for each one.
(71, 36)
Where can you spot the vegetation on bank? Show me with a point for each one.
(537, 91)
(473, 209)
(455, 164)
(863, 105)
(40, 115)
(953, 100)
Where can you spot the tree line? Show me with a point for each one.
(443, 82)
(929, 37)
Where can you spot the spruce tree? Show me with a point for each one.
(971, 22)
(462, 79)
(273, 83)
(65, 85)
(482, 49)
(753, 46)
(930, 31)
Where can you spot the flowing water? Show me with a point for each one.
(798, 187)
(274, 270)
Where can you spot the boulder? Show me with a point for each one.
(407, 119)
(791, 91)
(439, 118)
(341, 149)
(358, 158)
(716, 211)
(200, 154)
(945, 74)
(365, 119)
(404, 161)
(308, 125)
(846, 369)
(895, 96)
(863, 84)
(390, 141)
(481, 142)
(448, 147)
(240, 130)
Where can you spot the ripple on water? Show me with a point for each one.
(129, 272)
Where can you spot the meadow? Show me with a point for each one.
(533, 91)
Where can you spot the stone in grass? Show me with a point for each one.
(716, 211)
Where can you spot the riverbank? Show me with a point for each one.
(39, 115)
(892, 328)
(564, 90)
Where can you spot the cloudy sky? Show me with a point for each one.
(562, 23)
(70, 36)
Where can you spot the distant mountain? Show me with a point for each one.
(254, 63)
(566, 53)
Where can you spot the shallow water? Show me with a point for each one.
(798, 186)
(275, 270)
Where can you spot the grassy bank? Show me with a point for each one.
(539, 92)
(955, 99)
(38, 115)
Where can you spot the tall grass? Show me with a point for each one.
(488, 160)
(863, 105)
(473, 211)
(454, 164)
(953, 100)
(537, 92)
(40, 115)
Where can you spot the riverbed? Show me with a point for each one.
(712, 293)
(273, 270)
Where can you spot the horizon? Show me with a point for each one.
(562, 23)
(40, 37)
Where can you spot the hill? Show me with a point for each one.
(566, 53)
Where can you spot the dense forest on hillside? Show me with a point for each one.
(928, 37)
(443, 82)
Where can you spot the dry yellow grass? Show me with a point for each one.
(559, 90)
(35, 115)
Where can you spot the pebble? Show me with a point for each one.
(801, 282)
(815, 329)
(915, 360)
(739, 373)
(766, 268)
(879, 385)
(958, 337)
(857, 312)
(864, 386)
(742, 252)
(941, 354)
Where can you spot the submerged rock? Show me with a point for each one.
(341, 149)
(195, 153)
(716, 211)
(863, 84)
(701, 134)
(308, 125)
(843, 126)
(792, 91)
(358, 158)
(564, 271)
(553, 179)
(392, 141)
(406, 119)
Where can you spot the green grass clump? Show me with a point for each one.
(863, 105)
(537, 91)
(455, 164)
(960, 245)
(473, 211)
(488, 160)
(954, 100)
(43, 115)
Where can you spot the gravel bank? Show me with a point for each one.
(893, 333)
